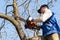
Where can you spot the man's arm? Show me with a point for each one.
(45, 16)
(38, 20)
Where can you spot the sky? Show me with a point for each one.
(8, 32)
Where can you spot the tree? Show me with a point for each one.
(15, 20)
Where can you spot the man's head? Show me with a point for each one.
(42, 8)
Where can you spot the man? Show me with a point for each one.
(50, 27)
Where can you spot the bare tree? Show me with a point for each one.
(15, 20)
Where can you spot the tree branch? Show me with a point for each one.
(15, 23)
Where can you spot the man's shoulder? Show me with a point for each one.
(48, 10)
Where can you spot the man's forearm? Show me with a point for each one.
(38, 20)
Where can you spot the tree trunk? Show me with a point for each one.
(16, 16)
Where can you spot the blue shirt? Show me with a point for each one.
(50, 26)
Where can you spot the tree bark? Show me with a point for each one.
(16, 17)
(15, 23)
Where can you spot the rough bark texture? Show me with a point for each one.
(16, 17)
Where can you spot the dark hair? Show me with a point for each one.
(42, 7)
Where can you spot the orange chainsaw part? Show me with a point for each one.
(33, 23)
(30, 24)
